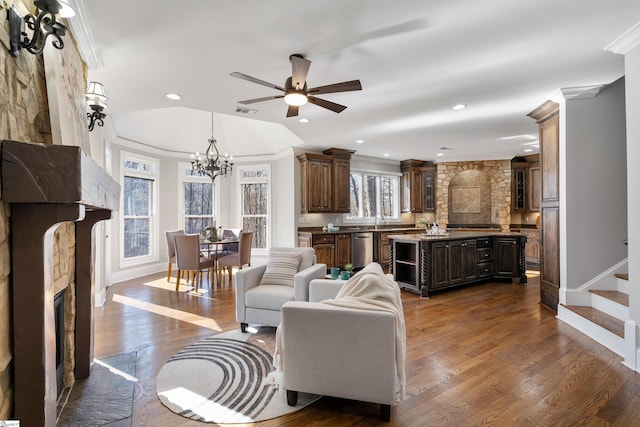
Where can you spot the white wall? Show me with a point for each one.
(595, 208)
(632, 72)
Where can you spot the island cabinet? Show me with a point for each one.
(422, 264)
(381, 249)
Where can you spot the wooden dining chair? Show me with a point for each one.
(240, 258)
(171, 249)
(188, 258)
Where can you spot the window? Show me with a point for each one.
(255, 202)
(372, 194)
(139, 188)
(197, 200)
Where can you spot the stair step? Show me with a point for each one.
(617, 296)
(604, 320)
(622, 276)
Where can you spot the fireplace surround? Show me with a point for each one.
(47, 185)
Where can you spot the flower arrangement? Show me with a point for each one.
(349, 267)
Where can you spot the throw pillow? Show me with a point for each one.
(281, 267)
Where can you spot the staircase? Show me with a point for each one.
(604, 320)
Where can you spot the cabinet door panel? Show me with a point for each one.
(440, 264)
(319, 186)
(343, 250)
(325, 254)
(341, 176)
(506, 260)
(549, 159)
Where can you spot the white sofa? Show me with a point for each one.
(260, 304)
(340, 352)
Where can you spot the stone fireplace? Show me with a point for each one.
(56, 195)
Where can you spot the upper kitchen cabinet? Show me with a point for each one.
(525, 184)
(417, 186)
(325, 181)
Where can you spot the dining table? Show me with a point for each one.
(212, 250)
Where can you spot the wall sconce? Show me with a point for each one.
(97, 101)
(43, 26)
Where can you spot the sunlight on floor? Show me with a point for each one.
(183, 316)
(116, 371)
(533, 273)
(170, 286)
(207, 409)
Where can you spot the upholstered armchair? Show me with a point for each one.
(261, 290)
(341, 351)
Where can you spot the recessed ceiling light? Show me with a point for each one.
(386, 154)
(173, 96)
(440, 154)
(304, 120)
(460, 106)
(359, 141)
(528, 150)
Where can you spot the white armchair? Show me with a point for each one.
(340, 351)
(260, 296)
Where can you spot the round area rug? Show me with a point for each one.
(223, 379)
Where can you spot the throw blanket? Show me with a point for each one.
(371, 289)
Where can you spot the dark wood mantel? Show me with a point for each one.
(47, 185)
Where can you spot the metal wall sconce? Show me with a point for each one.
(97, 101)
(42, 26)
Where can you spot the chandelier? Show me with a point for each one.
(211, 164)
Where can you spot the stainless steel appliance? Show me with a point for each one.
(361, 249)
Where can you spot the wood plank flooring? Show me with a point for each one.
(486, 354)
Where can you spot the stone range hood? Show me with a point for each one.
(48, 185)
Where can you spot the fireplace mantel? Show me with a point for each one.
(47, 185)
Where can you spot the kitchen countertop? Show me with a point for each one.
(454, 235)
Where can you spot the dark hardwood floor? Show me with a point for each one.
(486, 354)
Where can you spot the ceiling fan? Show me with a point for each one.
(295, 88)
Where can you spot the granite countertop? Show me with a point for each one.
(451, 235)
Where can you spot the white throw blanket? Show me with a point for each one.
(369, 289)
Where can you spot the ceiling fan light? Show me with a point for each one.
(295, 98)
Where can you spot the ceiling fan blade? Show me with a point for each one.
(336, 87)
(326, 104)
(266, 98)
(254, 80)
(292, 111)
(299, 71)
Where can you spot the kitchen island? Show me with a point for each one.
(422, 263)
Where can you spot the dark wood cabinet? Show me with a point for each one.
(325, 181)
(534, 188)
(547, 117)
(525, 184)
(532, 253)
(343, 250)
(455, 261)
(507, 259)
(334, 250)
(317, 173)
(428, 188)
(518, 188)
(417, 189)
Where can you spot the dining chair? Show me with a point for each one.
(240, 258)
(171, 249)
(188, 258)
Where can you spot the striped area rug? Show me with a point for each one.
(222, 379)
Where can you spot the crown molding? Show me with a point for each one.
(581, 92)
(626, 42)
(83, 33)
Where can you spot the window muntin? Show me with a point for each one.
(198, 206)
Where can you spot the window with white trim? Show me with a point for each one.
(374, 193)
(197, 200)
(139, 177)
(255, 202)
